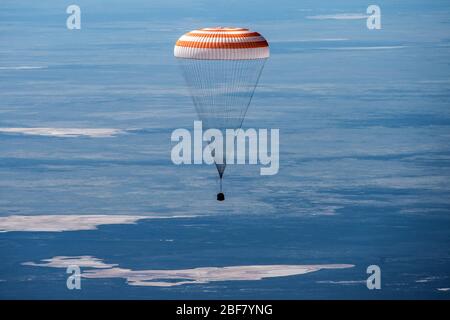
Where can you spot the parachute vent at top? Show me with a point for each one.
(222, 44)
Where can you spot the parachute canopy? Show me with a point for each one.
(222, 44)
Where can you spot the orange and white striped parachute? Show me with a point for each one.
(222, 67)
(222, 44)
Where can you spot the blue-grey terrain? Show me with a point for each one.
(85, 123)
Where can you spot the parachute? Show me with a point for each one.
(221, 67)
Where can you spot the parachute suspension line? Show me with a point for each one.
(221, 91)
(220, 195)
(258, 75)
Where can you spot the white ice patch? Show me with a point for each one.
(367, 48)
(168, 278)
(59, 223)
(427, 279)
(339, 16)
(65, 132)
(64, 262)
(343, 282)
(23, 68)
